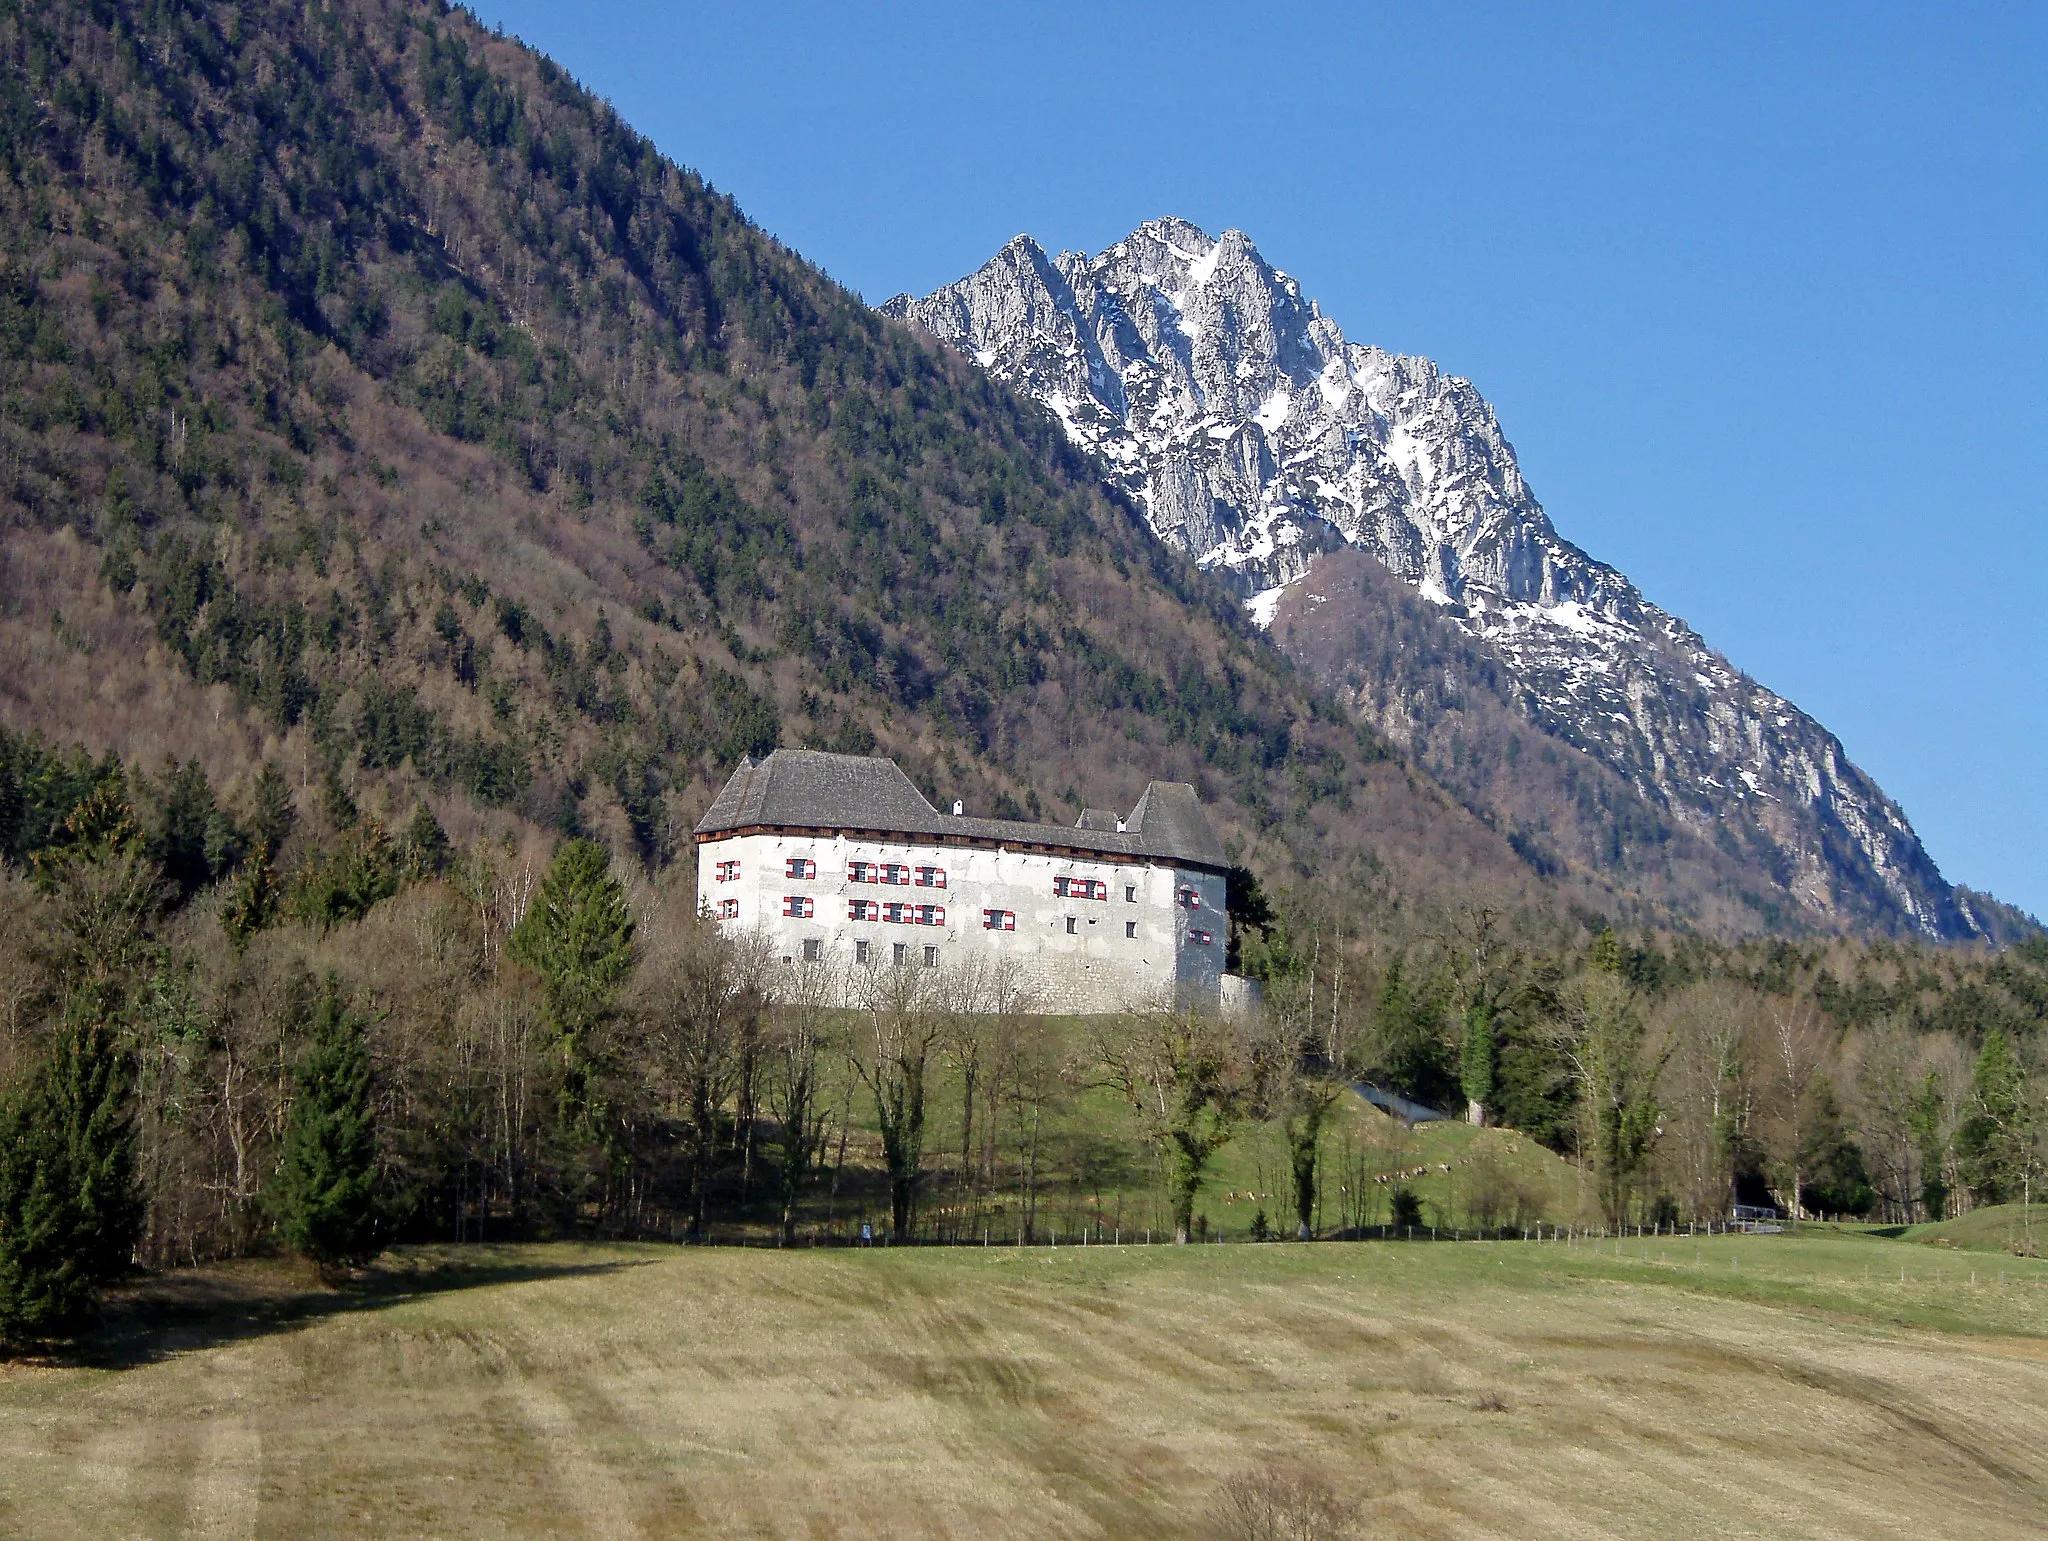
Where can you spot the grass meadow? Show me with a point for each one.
(1833, 1383)
(1081, 1163)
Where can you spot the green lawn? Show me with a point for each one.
(1832, 1383)
(1095, 1170)
(2008, 1228)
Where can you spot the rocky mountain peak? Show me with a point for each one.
(1255, 436)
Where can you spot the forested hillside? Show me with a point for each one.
(376, 402)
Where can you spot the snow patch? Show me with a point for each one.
(1573, 616)
(1273, 410)
(1265, 604)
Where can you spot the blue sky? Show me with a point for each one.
(1760, 293)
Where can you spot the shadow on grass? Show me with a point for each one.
(193, 1309)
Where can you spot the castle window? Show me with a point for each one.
(728, 909)
(728, 872)
(800, 868)
(862, 872)
(1070, 925)
(931, 914)
(998, 920)
(863, 909)
(813, 949)
(898, 953)
(931, 957)
(1200, 938)
(860, 952)
(1190, 899)
(798, 907)
(1130, 928)
(895, 872)
(1130, 893)
(931, 877)
(898, 914)
(1080, 888)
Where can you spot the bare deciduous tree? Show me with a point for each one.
(901, 1021)
(1710, 1032)
(1796, 1043)
(1187, 1077)
(698, 995)
(798, 1033)
(1299, 1070)
(1886, 1081)
(1602, 1039)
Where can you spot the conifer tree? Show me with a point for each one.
(1996, 1142)
(251, 902)
(90, 1104)
(43, 1283)
(578, 937)
(326, 1192)
(425, 846)
(275, 811)
(70, 1209)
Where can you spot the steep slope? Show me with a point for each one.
(1255, 436)
(374, 400)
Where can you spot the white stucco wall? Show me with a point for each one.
(1097, 966)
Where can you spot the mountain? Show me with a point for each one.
(1262, 443)
(376, 403)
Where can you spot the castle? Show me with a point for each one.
(839, 859)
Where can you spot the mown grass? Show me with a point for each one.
(1792, 1385)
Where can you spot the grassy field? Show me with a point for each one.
(1825, 1384)
(1995, 1228)
(1094, 1168)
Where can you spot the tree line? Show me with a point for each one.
(236, 1023)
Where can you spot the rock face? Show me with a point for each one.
(1255, 437)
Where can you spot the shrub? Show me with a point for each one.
(1267, 1504)
(1407, 1208)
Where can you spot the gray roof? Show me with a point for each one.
(807, 789)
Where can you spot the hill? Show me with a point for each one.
(1763, 1386)
(376, 402)
(1987, 1228)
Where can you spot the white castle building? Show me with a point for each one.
(840, 859)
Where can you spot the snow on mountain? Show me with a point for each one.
(1254, 436)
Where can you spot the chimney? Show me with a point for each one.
(958, 808)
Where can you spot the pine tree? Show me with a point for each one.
(70, 1209)
(274, 813)
(578, 937)
(251, 902)
(326, 1192)
(90, 1104)
(424, 849)
(43, 1284)
(1996, 1142)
